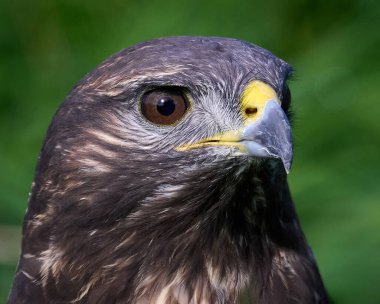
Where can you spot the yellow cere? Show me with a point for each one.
(253, 101)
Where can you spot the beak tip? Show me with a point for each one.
(287, 167)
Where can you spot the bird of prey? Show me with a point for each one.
(163, 179)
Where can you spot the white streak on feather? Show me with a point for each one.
(27, 275)
(51, 260)
(108, 138)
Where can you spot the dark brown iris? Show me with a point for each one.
(164, 106)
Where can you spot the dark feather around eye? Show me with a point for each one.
(286, 103)
(286, 98)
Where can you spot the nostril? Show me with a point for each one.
(250, 111)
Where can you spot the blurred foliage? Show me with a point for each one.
(46, 46)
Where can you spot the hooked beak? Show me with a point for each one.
(270, 136)
(266, 132)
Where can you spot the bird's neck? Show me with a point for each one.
(205, 236)
(230, 243)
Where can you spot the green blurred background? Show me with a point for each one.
(46, 46)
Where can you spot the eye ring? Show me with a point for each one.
(164, 106)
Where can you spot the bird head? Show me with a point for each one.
(193, 98)
(159, 157)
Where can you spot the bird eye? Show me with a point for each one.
(164, 106)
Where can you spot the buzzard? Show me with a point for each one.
(163, 179)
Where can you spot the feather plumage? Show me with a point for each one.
(117, 215)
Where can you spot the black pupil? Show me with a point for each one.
(166, 106)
